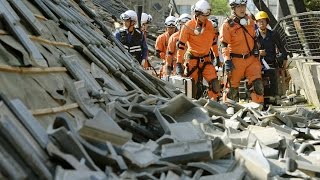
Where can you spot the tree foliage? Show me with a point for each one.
(220, 7)
(312, 5)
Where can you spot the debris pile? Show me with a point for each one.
(155, 138)
(75, 105)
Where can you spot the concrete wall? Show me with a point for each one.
(149, 7)
(184, 2)
(309, 75)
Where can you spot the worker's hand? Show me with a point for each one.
(228, 65)
(143, 62)
(217, 62)
(285, 64)
(169, 70)
(179, 69)
(262, 52)
(281, 60)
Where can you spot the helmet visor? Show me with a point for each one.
(149, 19)
(206, 12)
(203, 13)
(125, 17)
(184, 20)
(170, 24)
(238, 2)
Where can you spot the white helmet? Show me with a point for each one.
(170, 21)
(129, 15)
(146, 18)
(184, 18)
(233, 3)
(192, 8)
(202, 7)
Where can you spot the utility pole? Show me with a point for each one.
(284, 8)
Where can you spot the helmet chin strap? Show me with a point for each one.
(131, 27)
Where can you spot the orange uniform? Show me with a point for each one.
(172, 48)
(161, 49)
(171, 57)
(198, 56)
(235, 41)
(162, 44)
(215, 49)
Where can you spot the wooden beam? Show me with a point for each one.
(45, 111)
(32, 70)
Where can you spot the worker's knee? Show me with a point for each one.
(233, 94)
(214, 85)
(258, 86)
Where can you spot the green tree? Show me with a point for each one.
(220, 7)
(312, 5)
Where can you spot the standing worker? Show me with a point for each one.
(171, 56)
(214, 48)
(270, 43)
(240, 53)
(199, 34)
(132, 38)
(146, 19)
(162, 40)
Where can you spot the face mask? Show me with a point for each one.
(199, 30)
(243, 21)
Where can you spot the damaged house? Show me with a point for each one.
(75, 105)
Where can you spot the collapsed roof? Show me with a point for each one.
(74, 104)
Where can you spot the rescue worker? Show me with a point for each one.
(171, 56)
(240, 52)
(146, 19)
(216, 61)
(199, 34)
(162, 40)
(132, 38)
(269, 43)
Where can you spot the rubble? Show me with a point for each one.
(100, 116)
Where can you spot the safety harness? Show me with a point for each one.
(199, 59)
(200, 88)
(253, 51)
(243, 56)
